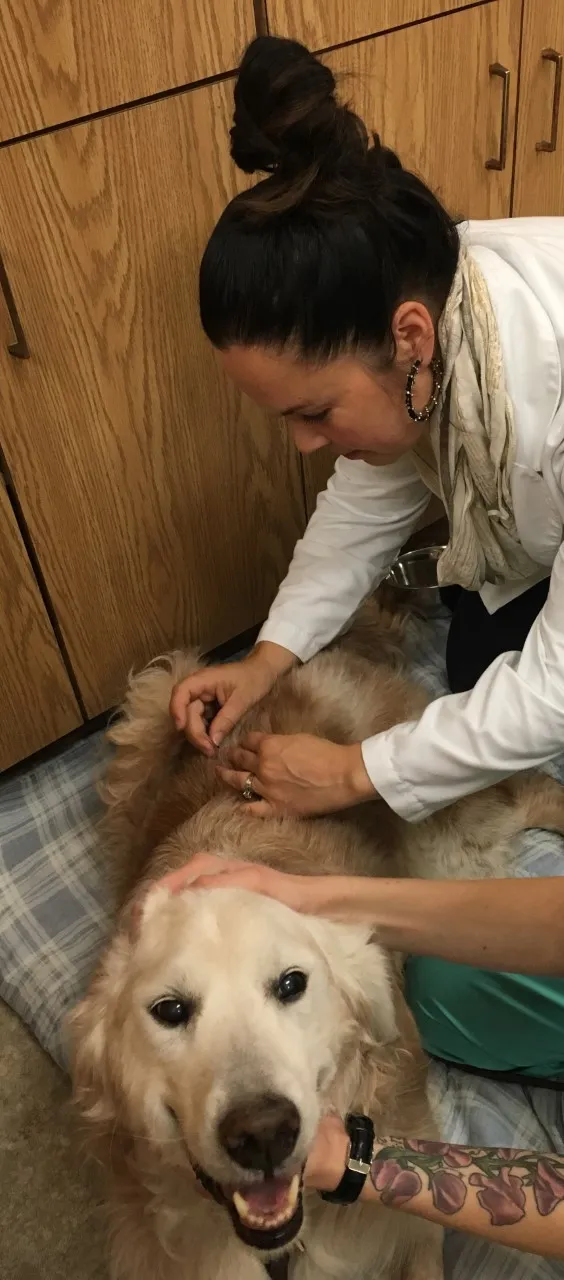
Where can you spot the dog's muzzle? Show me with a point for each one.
(259, 1135)
(267, 1233)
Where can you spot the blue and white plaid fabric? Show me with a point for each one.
(54, 920)
(53, 907)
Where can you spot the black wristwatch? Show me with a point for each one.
(361, 1133)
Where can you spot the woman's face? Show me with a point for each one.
(358, 412)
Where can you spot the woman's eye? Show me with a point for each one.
(171, 1012)
(315, 417)
(290, 986)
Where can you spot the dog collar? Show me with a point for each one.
(212, 1188)
(279, 1269)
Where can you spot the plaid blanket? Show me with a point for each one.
(53, 908)
(54, 920)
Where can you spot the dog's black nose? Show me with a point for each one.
(260, 1133)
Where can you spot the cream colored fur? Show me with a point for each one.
(349, 1043)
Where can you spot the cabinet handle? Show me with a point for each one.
(498, 162)
(19, 348)
(550, 55)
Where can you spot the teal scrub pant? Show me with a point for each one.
(487, 1021)
(500, 1022)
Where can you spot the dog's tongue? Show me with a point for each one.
(267, 1197)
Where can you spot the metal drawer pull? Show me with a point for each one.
(496, 69)
(19, 348)
(550, 55)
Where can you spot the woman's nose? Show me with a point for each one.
(306, 440)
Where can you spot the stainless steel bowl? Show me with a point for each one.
(415, 574)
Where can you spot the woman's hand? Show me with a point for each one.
(335, 897)
(298, 774)
(328, 1158)
(208, 871)
(236, 686)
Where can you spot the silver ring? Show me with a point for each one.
(248, 793)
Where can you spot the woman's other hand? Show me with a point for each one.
(235, 686)
(208, 871)
(328, 1157)
(298, 774)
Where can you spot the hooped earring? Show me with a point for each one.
(423, 415)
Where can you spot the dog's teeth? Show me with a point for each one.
(294, 1191)
(241, 1206)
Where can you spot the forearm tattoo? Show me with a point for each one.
(499, 1177)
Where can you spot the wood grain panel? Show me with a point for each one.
(322, 23)
(163, 507)
(428, 93)
(38, 704)
(317, 467)
(62, 59)
(402, 86)
(539, 175)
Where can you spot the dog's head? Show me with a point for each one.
(217, 1034)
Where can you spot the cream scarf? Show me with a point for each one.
(472, 442)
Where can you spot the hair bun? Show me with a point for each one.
(286, 115)
(382, 159)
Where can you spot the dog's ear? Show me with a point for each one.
(368, 985)
(93, 1076)
(362, 974)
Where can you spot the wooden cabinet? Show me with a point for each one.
(38, 704)
(322, 23)
(429, 93)
(162, 507)
(539, 173)
(63, 60)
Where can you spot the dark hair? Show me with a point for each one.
(319, 254)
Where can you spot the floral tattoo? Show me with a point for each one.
(501, 1176)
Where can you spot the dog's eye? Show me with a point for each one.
(290, 986)
(172, 1012)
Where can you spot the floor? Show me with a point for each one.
(51, 1225)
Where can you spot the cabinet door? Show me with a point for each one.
(428, 92)
(38, 704)
(63, 60)
(539, 174)
(163, 507)
(320, 25)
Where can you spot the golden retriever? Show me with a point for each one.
(221, 1026)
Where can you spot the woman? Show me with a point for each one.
(340, 294)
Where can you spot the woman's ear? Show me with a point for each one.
(413, 331)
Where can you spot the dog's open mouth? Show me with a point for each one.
(269, 1214)
(266, 1215)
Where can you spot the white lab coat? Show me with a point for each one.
(514, 717)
